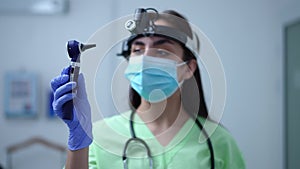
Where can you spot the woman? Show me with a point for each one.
(166, 100)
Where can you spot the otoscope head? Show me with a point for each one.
(75, 48)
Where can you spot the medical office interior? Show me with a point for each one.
(252, 39)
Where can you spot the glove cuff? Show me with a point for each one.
(79, 138)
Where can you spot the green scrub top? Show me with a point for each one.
(188, 149)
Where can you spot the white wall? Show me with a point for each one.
(247, 35)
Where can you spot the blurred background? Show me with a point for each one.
(251, 37)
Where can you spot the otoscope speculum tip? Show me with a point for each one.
(75, 48)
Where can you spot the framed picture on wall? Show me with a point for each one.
(20, 95)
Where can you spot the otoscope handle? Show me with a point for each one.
(68, 106)
(74, 71)
(74, 49)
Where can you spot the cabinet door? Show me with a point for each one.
(292, 90)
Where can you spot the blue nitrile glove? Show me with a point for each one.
(80, 127)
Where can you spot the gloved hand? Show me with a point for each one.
(80, 128)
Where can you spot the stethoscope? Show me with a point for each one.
(134, 138)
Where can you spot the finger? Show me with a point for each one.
(66, 71)
(59, 81)
(57, 104)
(62, 90)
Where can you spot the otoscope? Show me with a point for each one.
(75, 49)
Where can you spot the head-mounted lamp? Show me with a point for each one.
(144, 24)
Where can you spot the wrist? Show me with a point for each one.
(80, 137)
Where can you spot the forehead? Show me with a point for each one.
(154, 41)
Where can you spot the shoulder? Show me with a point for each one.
(226, 149)
(217, 132)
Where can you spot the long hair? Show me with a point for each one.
(192, 90)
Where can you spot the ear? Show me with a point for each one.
(190, 69)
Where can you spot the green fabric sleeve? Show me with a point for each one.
(226, 149)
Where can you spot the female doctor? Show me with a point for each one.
(164, 128)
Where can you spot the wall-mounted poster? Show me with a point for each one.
(20, 98)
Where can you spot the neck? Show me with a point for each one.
(161, 116)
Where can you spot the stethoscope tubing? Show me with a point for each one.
(135, 138)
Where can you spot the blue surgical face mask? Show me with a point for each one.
(155, 79)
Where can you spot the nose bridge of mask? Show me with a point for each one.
(165, 65)
(143, 62)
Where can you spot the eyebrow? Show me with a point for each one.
(156, 43)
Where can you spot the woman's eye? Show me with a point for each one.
(163, 52)
(137, 51)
